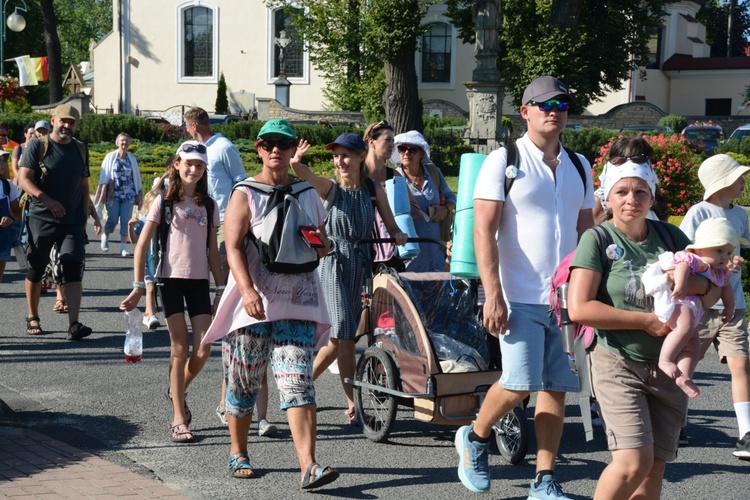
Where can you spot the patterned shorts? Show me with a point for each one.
(288, 344)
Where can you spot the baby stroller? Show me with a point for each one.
(427, 350)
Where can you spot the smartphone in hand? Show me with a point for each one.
(308, 234)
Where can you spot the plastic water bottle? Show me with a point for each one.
(133, 336)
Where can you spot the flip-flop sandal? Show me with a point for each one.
(185, 409)
(236, 465)
(60, 306)
(320, 477)
(34, 329)
(180, 435)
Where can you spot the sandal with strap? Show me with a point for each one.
(34, 329)
(78, 330)
(236, 466)
(185, 409)
(60, 306)
(181, 435)
(319, 477)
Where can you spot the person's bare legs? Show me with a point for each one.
(626, 473)
(674, 344)
(325, 357)
(497, 404)
(548, 425)
(261, 404)
(238, 429)
(200, 353)
(303, 424)
(739, 369)
(73, 293)
(345, 359)
(33, 293)
(150, 300)
(2, 270)
(178, 356)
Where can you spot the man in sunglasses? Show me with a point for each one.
(520, 236)
(225, 167)
(57, 214)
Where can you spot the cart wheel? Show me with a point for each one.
(376, 410)
(512, 435)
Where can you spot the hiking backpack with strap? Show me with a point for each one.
(165, 222)
(280, 246)
(514, 159)
(585, 335)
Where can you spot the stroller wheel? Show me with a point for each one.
(376, 410)
(512, 435)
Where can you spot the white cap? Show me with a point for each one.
(192, 150)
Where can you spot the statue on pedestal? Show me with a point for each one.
(487, 25)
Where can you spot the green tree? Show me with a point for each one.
(365, 50)
(589, 44)
(222, 102)
(81, 22)
(715, 16)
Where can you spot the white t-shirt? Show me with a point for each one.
(539, 223)
(13, 195)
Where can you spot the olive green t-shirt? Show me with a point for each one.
(624, 289)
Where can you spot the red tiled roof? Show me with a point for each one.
(682, 62)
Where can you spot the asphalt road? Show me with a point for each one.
(85, 394)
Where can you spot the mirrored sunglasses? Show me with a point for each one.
(548, 105)
(282, 144)
(189, 148)
(619, 160)
(411, 149)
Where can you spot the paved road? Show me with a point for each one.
(86, 395)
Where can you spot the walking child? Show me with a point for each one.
(183, 274)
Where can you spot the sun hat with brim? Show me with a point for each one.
(277, 127)
(193, 154)
(543, 89)
(348, 140)
(410, 137)
(43, 124)
(719, 171)
(715, 232)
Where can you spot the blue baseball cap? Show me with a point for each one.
(350, 141)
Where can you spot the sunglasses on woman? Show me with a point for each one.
(619, 160)
(282, 144)
(411, 149)
(547, 106)
(189, 148)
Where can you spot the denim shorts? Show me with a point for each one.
(288, 345)
(532, 352)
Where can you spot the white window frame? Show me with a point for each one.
(270, 44)
(181, 78)
(451, 84)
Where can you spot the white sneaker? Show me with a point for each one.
(105, 244)
(151, 322)
(125, 253)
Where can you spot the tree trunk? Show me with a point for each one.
(401, 101)
(54, 58)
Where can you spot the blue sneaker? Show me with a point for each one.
(548, 488)
(473, 466)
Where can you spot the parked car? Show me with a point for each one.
(704, 136)
(646, 129)
(741, 132)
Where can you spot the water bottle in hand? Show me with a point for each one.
(133, 336)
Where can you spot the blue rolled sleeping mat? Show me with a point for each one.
(463, 258)
(398, 199)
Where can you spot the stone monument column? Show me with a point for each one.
(486, 132)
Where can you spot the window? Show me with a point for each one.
(437, 47)
(654, 49)
(719, 107)
(198, 56)
(294, 59)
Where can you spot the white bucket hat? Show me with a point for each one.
(715, 232)
(410, 137)
(718, 172)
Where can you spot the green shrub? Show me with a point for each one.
(735, 146)
(222, 102)
(588, 141)
(105, 128)
(675, 122)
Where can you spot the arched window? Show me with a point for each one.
(197, 42)
(295, 58)
(437, 48)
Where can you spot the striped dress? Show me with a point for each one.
(345, 269)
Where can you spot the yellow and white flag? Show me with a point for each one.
(26, 71)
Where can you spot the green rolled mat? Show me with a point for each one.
(463, 258)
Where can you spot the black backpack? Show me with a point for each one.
(162, 231)
(280, 246)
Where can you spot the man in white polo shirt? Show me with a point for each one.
(519, 242)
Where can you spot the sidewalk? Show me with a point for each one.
(33, 465)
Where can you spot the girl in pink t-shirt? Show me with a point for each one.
(183, 274)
